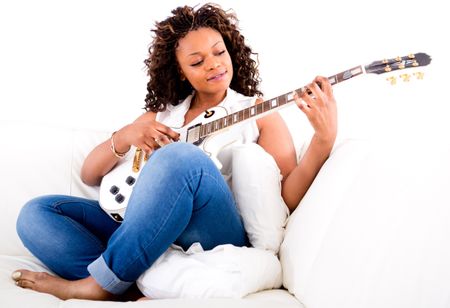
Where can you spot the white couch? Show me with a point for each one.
(372, 231)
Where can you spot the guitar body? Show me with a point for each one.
(116, 186)
(214, 130)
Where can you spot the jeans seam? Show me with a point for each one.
(218, 186)
(56, 206)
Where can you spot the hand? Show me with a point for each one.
(319, 106)
(145, 133)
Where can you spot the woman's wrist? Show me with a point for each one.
(117, 149)
(324, 145)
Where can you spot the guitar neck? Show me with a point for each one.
(270, 105)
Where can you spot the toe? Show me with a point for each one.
(26, 284)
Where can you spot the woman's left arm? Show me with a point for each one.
(320, 108)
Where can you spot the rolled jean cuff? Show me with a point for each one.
(106, 278)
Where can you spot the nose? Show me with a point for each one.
(212, 64)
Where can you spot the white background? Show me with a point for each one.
(80, 63)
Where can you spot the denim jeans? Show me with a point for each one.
(180, 197)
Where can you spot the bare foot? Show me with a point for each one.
(86, 288)
(132, 294)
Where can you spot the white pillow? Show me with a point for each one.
(256, 185)
(226, 271)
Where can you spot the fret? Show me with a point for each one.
(216, 125)
(246, 114)
(281, 100)
(202, 131)
(230, 119)
(252, 111)
(266, 105)
(259, 109)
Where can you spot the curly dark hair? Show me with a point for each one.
(165, 85)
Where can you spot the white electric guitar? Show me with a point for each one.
(208, 131)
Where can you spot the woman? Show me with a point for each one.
(198, 60)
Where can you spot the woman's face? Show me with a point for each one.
(204, 61)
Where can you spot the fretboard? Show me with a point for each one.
(269, 105)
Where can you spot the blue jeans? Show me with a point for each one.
(180, 197)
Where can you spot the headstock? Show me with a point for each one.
(400, 63)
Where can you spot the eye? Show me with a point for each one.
(221, 52)
(197, 63)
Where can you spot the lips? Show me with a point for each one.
(216, 76)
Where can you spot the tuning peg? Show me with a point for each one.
(405, 77)
(387, 68)
(419, 75)
(398, 59)
(415, 63)
(392, 80)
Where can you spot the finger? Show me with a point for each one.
(158, 141)
(325, 85)
(317, 93)
(298, 101)
(162, 140)
(167, 131)
(308, 96)
(301, 104)
(148, 149)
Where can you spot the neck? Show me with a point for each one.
(204, 100)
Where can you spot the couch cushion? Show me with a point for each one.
(373, 230)
(226, 271)
(41, 160)
(256, 186)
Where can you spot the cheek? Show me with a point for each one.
(193, 77)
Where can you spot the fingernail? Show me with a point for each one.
(16, 275)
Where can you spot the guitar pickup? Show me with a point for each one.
(137, 160)
(193, 134)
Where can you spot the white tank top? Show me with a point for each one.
(246, 132)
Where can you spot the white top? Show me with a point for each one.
(243, 132)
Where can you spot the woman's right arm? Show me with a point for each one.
(145, 133)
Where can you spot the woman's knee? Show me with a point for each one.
(30, 216)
